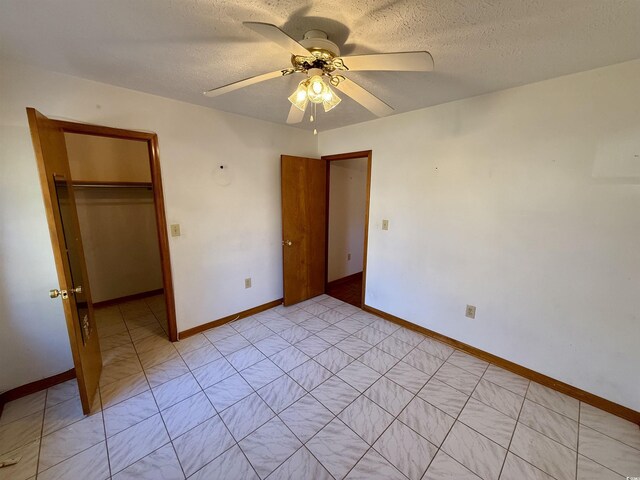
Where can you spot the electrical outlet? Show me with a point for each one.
(247, 282)
(385, 224)
(471, 311)
(348, 256)
(175, 230)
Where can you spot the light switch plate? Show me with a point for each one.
(175, 230)
(385, 224)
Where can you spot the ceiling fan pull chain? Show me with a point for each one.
(315, 105)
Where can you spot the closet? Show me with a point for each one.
(114, 197)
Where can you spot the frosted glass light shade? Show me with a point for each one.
(330, 99)
(299, 98)
(316, 89)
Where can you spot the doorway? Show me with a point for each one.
(305, 184)
(111, 179)
(118, 190)
(135, 186)
(348, 184)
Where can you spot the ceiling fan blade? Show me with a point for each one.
(365, 98)
(273, 33)
(214, 92)
(295, 115)
(401, 61)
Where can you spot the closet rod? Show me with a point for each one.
(113, 185)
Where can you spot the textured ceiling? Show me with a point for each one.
(178, 48)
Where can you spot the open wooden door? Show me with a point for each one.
(55, 180)
(304, 198)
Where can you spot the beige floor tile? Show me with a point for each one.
(306, 417)
(590, 470)
(71, 440)
(508, 380)
(548, 455)
(27, 465)
(20, 432)
(406, 450)
(608, 452)
(281, 393)
(488, 421)
(136, 442)
(515, 468)
(202, 444)
(429, 421)
(186, 414)
(443, 396)
(389, 395)
(301, 465)
(263, 453)
(246, 416)
(445, 467)
(23, 407)
(175, 390)
(556, 401)
(366, 418)
(92, 461)
(612, 426)
(374, 466)
(554, 425)
(499, 398)
(337, 448)
(475, 451)
(129, 412)
(231, 464)
(161, 463)
(123, 389)
(61, 392)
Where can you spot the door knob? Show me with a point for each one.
(76, 290)
(55, 293)
(288, 243)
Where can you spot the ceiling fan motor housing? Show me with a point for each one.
(317, 40)
(324, 52)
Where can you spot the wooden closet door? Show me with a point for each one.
(73, 289)
(304, 210)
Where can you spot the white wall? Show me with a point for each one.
(347, 210)
(229, 232)
(496, 201)
(120, 241)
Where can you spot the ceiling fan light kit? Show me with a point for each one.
(318, 58)
(314, 90)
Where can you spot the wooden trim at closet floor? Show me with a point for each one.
(236, 316)
(33, 387)
(128, 298)
(570, 390)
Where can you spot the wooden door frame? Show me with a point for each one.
(158, 201)
(349, 156)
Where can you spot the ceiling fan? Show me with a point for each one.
(318, 58)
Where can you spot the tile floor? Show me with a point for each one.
(320, 390)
